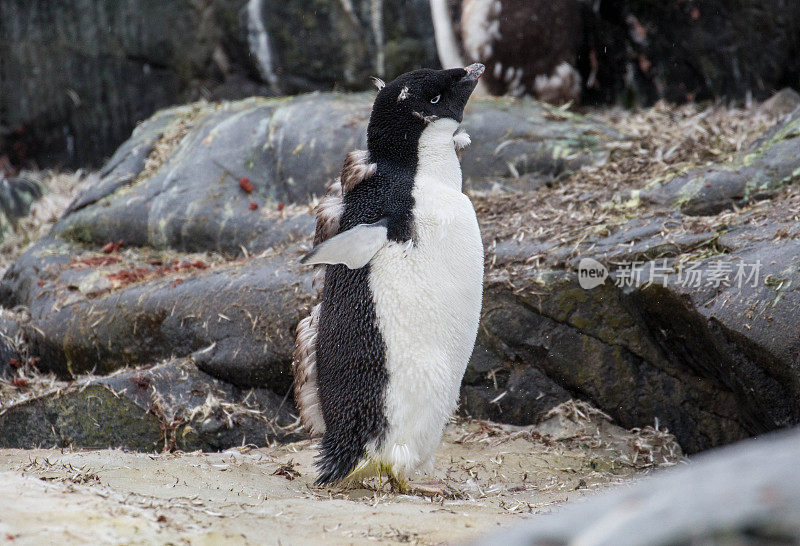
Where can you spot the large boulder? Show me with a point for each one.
(698, 330)
(93, 312)
(176, 182)
(287, 149)
(748, 493)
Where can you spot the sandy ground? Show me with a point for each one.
(266, 496)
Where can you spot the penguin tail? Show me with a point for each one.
(338, 460)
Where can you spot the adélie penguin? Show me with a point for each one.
(379, 362)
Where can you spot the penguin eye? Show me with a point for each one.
(435, 99)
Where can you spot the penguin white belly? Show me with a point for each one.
(427, 300)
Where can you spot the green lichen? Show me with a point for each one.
(95, 417)
(78, 232)
(788, 132)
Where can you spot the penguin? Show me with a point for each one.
(378, 363)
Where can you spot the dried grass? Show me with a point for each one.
(577, 424)
(172, 137)
(36, 385)
(666, 140)
(14, 341)
(59, 191)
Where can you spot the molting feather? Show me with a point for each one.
(356, 168)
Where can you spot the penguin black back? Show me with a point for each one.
(350, 350)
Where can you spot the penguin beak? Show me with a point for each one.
(474, 72)
(466, 85)
(462, 88)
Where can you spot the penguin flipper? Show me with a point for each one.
(353, 248)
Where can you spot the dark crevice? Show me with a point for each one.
(718, 354)
(701, 407)
(705, 352)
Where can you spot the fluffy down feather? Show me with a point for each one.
(356, 168)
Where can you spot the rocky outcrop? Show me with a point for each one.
(181, 172)
(97, 313)
(695, 328)
(78, 75)
(749, 492)
(188, 245)
(712, 363)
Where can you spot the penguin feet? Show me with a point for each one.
(428, 488)
(398, 483)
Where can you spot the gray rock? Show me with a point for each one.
(169, 406)
(93, 417)
(784, 102)
(514, 392)
(512, 139)
(129, 160)
(94, 317)
(748, 493)
(599, 349)
(713, 364)
(188, 198)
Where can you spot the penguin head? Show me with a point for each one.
(405, 106)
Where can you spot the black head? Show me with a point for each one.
(406, 105)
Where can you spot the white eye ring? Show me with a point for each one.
(435, 99)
